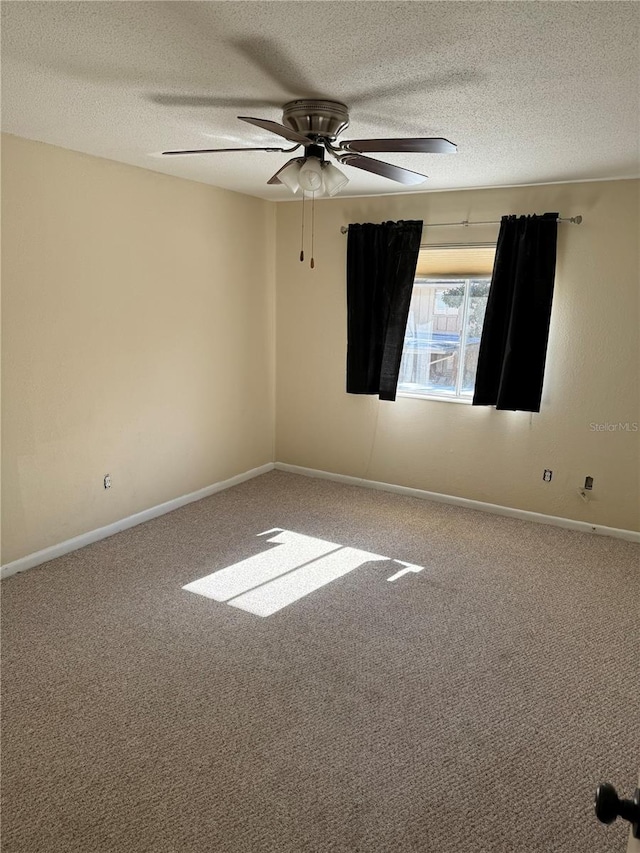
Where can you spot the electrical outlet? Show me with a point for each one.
(548, 474)
(588, 483)
(107, 481)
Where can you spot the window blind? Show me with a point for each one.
(455, 261)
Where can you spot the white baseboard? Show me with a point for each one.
(525, 515)
(69, 545)
(62, 548)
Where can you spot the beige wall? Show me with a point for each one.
(138, 316)
(455, 449)
(137, 340)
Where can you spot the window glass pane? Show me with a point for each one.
(441, 304)
(431, 353)
(479, 291)
(442, 339)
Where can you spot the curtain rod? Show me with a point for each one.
(576, 220)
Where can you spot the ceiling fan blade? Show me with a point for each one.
(216, 150)
(425, 146)
(274, 179)
(280, 129)
(396, 173)
(205, 101)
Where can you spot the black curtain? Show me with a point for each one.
(513, 346)
(381, 267)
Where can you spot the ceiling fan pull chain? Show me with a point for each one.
(313, 220)
(302, 235)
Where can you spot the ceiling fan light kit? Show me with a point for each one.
(288, 175)
(334, 179)
(316, 125)
(310, 176)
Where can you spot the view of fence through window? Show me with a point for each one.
(442, 338)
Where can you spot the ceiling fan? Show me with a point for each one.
(316, 124)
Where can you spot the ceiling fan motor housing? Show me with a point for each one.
(326, 119)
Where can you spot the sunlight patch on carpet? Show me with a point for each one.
(267, 582)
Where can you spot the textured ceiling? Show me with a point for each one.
(531, 92)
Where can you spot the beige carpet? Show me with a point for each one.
(469, 707)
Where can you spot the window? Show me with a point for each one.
(444, 327)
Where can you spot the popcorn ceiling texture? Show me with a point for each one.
(474, 706)
(530, 92)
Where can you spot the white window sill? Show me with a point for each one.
(440, 399)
